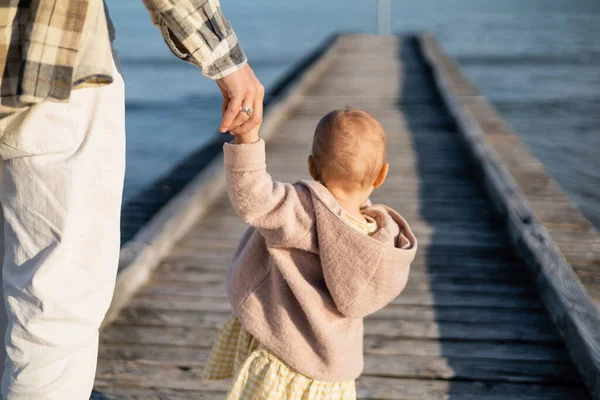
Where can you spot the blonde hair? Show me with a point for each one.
(349, 147)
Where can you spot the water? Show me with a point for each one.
(538, 61)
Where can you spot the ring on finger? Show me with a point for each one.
(247, 110)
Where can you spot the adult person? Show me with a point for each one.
(62, 150)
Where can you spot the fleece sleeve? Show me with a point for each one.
(280, 211)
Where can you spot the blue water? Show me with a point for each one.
(538, 61)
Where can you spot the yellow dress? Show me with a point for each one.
(258, 374)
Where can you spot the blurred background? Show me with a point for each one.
(537, 61)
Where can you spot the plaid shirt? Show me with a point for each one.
(40, 40)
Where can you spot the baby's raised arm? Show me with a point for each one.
(281, 211)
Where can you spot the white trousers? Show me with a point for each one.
(61, 180)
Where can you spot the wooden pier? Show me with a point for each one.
(479, 319)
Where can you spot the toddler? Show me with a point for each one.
(318, 258)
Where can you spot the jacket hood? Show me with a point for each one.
(362, 272)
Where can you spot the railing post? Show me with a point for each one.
(384, 17)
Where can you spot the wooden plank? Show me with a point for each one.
(159, 352)
(426, 389)
(119, 393)
(203, 336)
(435, 232)
(450, 211)
(405, 188)
(155, 355)
(565, 297)
(438, 253)
(454, 255)
(182, 288)
(198, 356)
(419, 278)
(387, 389)
(179, 377)
(191, 290)
(164, 336)
(219, 235)
(441, 299)
(204, 262)
(466, 349)
(490, 242)
(206, 317)
(448, 274)
(470, 369)
(183, 376)
(444, 299)
(205, 242)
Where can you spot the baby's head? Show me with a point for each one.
(348, 153)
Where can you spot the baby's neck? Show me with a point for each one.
(351, 203)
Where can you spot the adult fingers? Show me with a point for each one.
(231, 112)
(242, 116)
(254, 120)
(224, 106)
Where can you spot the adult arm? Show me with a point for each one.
(197, 32)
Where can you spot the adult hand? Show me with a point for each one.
(240, 90)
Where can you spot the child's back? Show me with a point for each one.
(318, 257)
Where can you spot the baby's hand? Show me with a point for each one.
(249, 137)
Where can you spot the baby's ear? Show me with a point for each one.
(312, 169)
(382, 175)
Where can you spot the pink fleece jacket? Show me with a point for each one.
(302, 280)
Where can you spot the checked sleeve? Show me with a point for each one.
(197, 32)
